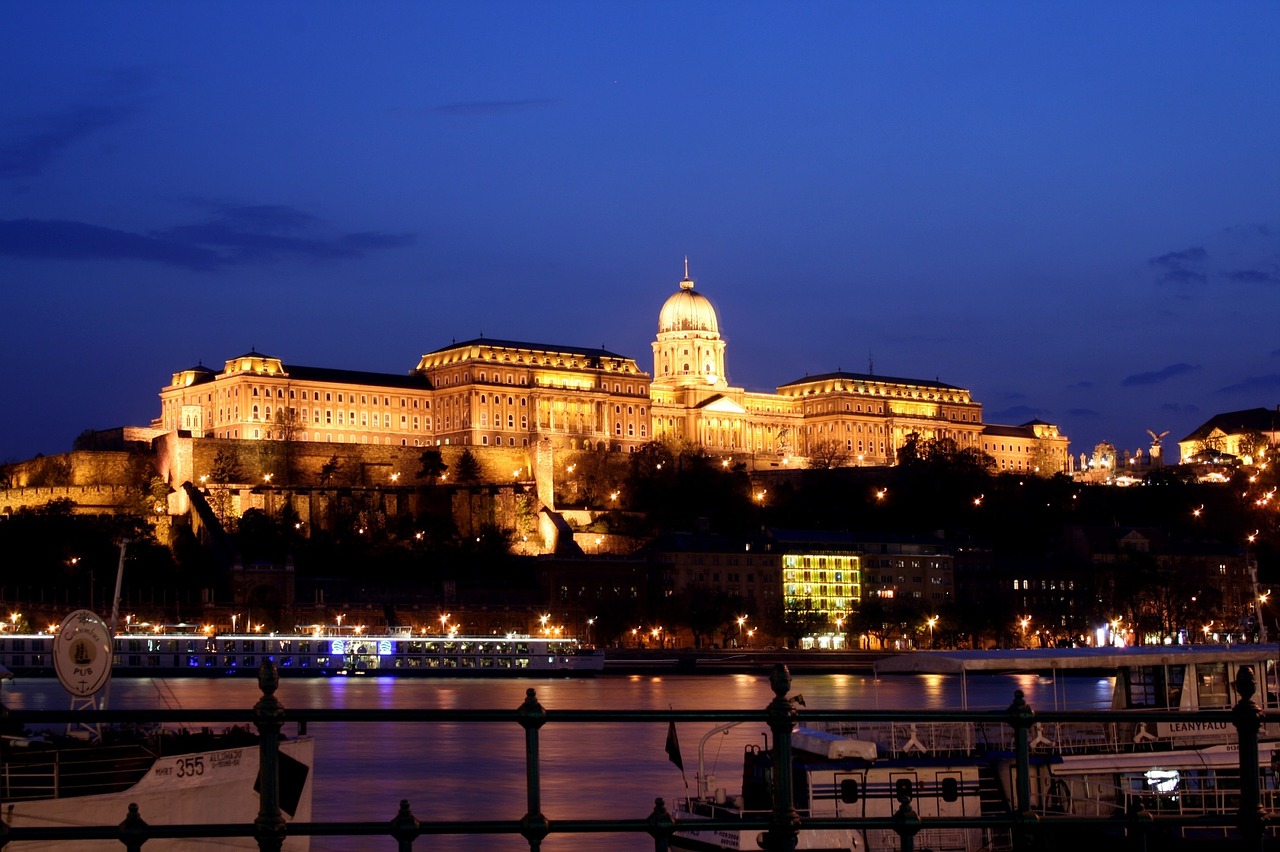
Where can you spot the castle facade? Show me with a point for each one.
(487, 392)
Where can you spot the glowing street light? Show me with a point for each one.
(444, 622)
(395, 477)
(931, 621)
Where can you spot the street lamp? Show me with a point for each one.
(931, 621)
(1024, 622)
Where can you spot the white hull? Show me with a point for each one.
(203, 787)
(688, 837)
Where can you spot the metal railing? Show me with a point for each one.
(779, 827)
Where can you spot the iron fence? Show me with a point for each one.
(779, 828)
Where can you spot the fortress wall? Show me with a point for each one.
(89, 499)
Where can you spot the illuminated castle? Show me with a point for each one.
(486, 392)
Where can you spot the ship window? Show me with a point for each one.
(1213, 686)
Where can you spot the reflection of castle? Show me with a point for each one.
(504, 393)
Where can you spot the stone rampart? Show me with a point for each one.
(89, 499)
(304, 463)
(81, 467)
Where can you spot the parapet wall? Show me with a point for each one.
(301, 463)
(82, 468)
(89, 499)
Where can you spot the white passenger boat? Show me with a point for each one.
(963, 769)
(317, 652)
(59, 780)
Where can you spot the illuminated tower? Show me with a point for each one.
(689, 352)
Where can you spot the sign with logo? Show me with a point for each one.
(82, 653)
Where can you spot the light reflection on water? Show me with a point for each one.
(456, 771)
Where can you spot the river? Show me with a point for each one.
(453, 771)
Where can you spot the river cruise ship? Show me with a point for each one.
(956, 770)
(320, 653)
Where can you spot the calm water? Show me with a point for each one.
(477, 771)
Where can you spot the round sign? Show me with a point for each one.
(82, 653)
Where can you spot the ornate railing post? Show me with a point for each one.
(906, 822)
(1248, 721)
(661, 826)
(784, 826)
(133, 831)
(534, 826)
(268, 716)
(405, 827)
(1021, 718)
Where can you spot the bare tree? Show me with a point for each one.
(825, 455)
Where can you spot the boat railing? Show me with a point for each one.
(38, 772)
(1134, 732)
(1034, 803)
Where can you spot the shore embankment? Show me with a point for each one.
(703, 661)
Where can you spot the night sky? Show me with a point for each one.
(1071, 209)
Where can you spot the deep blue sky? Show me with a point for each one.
(1071, 209)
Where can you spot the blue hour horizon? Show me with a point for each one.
(1070, 212)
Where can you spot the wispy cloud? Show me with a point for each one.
(81, 241)
(263, 233)
(1157, 376)
(235, 235)
(483, 108)
(30, 151)
(1181, 267)
(1253, 384)
(1255, 276)
(29, 155)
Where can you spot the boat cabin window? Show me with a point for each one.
(1213, 686)
(1153, 686)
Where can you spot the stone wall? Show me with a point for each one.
(81, 467)
(89, 499)
(301, 463)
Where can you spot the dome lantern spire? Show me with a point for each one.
(686, 283)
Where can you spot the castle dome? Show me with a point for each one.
(688, 310)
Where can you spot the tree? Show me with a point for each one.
(468, 467)
(704, 611)
(329, 469)
(824, 455)
(431, 466)
(800, 619)
(284, 430)
(226, 468)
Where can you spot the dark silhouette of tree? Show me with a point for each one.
(226, 468)
(704, 611)
(824, 455)
(431, 466)
(800, 619)
(468, 467)
(330, 469)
